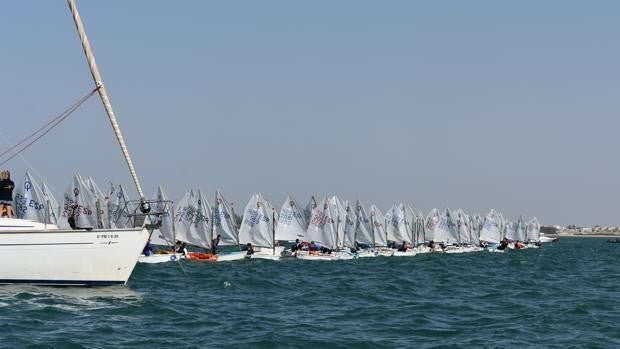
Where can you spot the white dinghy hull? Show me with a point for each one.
(160, 258)
(268, 253)
(31, 254)
(231, 256)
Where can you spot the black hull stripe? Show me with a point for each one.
(62, 282)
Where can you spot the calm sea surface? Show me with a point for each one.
(563, 295)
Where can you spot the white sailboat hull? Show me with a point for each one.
(408, 253)
(31, 255)
(268, 253)
(231, 256)
(160, 258)
(334, 256)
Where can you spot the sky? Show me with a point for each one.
(473, 105)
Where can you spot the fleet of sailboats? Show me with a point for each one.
(96, 238)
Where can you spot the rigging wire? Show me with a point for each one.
(42, 131)
(29, 165)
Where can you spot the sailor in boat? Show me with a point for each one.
(403, 247)
(182, 248)
(312, 248)
(296, 246)
(249, 249)
(325, 250)
(503, 244)
(214, 244)
(148, 248)
(6, 194)
(431, 245)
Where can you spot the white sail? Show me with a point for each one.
(350, 225)
(440, 227)
(192, 222)
(79, 203)
(501, 221)
(533, 230)
(292, 222)
(339, 214)
(490, 231)
(515, 231)
(510, 230)
(53, 209)
(30, 202)
(119, 207)
(164, 235)
(463, 227)
(223, 222)
(398, 222)
(101, 203)
(308, 211)
(474, 229)
(203, 225)
(363, 233)
(520, 230)
(257, 224)
(378, 226)
(322, 227)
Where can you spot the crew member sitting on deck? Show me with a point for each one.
(6, 194)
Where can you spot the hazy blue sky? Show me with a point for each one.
(471, 104)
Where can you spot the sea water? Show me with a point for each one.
(563, 295)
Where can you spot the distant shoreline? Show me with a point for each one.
(582, 235)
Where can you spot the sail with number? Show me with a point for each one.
(79, 204)
(377, 220)
(440, 227)
(257, 224)
(30, 202)
(192, 220)
(363, 232)
(322, 228)
(339, 213)
(223, 221)
(350, 224)
(119, 208)
(291, 222)
(398, 222)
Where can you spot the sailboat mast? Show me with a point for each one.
(273, 230)
(90, 57)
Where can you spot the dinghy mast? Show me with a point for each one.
(90, 57)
